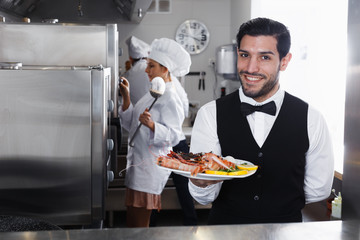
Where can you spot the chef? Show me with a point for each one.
(261, 123)
(139, 81)
(161, 129)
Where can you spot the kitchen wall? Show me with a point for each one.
(222, 19)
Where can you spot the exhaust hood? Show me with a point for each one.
(78, 11)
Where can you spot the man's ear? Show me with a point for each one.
(285, 61)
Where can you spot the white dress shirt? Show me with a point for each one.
(319, 168)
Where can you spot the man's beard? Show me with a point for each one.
(265, 89)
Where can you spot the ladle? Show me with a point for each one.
(157, 89)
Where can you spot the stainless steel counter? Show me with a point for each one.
(346, 230)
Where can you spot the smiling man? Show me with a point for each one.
(261, 123)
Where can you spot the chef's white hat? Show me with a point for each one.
(171, 55)
(137, 48)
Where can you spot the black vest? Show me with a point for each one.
(275, 193)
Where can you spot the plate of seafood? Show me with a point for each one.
(206, 166)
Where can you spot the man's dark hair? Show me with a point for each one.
(267, 27)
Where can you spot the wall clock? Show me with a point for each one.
(193, 35)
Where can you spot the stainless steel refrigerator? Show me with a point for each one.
(57, 120)
(54, 143)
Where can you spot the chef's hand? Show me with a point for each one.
(145, 119)
(125, 92)
(124, 87)
(203, 183)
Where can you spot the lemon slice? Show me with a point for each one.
(247, 167)
(215, 172)
(237, 173)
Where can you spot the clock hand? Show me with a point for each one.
(192, 36)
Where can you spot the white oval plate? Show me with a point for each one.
(205, 176)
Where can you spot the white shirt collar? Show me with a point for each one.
(278, 98)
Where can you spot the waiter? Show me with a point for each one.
(261, 123)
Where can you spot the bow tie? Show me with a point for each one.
(269, 108)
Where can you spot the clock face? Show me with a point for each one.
(193, 36)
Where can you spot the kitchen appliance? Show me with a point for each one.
(80, 11)
(62, 45)
(226, 61)
(54, 143)
(56, 129)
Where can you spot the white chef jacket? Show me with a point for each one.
(319, 168)
(138, 79)
(142, 174)
(182, 94)
(183, 97)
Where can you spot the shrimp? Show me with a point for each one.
(169, 162)
(195, 163)
(187, 158)
(214, 162)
